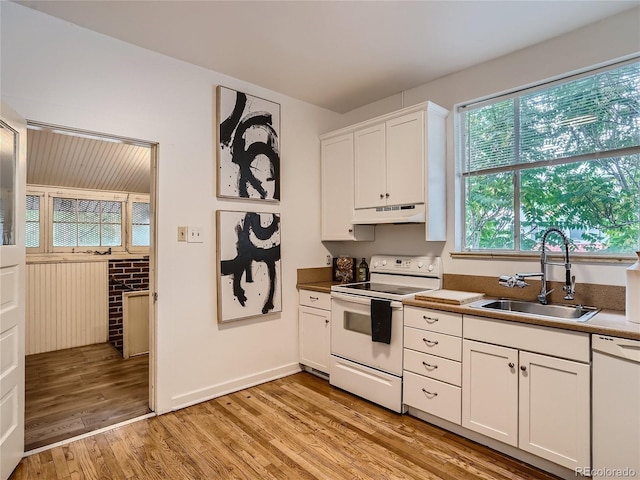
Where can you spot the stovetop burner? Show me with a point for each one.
(384, 288)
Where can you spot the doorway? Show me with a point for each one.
(90, 247)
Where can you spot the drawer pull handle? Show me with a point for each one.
(430, 319)
(314, 299)
(511, 365)
(433, 394)
(430, 342)
(429, 365)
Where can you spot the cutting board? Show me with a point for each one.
(451, 297)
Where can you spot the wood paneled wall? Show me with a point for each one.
(66, 305)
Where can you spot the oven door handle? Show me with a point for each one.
(345, 297)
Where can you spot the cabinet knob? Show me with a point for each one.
(386, 195)
(351, 230)
(433, 394)
(511, 365)
(326, 321)
(381, 196)
(523, 368)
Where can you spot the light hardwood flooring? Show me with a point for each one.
(78, 390)
(298, 427)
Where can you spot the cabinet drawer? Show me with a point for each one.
(442, 369)
(433, 343)
(433, 320)
(431, 396)
(315, 299)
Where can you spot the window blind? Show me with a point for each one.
(570, 121)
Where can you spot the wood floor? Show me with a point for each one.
(297, 427)
(78, 390)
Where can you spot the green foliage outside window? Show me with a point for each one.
(565, 156)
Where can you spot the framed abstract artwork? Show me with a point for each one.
(248, 142)
(249, 271)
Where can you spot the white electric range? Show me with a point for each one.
(367, 368)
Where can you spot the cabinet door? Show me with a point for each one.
(337, 191)
(405, 137)
(370, 169)
(314, 336)
(555, 409)
(490, 390)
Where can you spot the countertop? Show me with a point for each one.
(605, 322)
(324, 287)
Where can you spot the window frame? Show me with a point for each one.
(47, 195)
(96, 196)
(460, 248)
(42, 241)
(136, 198)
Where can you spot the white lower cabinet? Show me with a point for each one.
(535, 402)
(490, 391)
(314, 330)
(555, 409)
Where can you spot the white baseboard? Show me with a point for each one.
(214, 391)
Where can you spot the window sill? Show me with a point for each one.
(33, 258)
(535, 256)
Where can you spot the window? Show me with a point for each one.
(32, 238)
(86, 223)
(564, 155)
(8, 142)
(140, 215)
(82, 221)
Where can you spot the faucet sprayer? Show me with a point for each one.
(570, 281)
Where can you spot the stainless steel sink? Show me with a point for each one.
(578, 313)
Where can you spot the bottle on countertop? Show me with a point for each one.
(363, 271)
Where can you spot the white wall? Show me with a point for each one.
(612, 38)
(55, 72)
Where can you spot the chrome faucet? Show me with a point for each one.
(518, 280)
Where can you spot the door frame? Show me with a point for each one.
(153, 247)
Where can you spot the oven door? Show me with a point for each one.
(351, 334)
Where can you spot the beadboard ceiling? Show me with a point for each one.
(339, 55)
(62, 160)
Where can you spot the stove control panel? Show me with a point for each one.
(415, 266)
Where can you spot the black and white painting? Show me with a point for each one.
(248, 264)
(248, 146)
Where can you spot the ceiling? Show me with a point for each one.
(339, 55)
(70, 159)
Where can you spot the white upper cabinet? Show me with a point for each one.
(337, 191)
(405, 159)
(389, 160)
(397, 172)
(370, 167)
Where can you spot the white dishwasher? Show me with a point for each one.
(616, 407)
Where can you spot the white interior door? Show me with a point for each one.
(13, 149)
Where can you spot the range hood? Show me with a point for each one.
(414, 213)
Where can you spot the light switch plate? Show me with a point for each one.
(194, 235)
